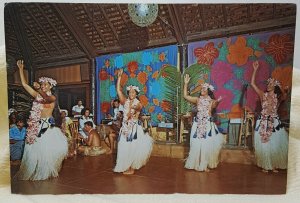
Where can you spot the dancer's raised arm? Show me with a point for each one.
(256, 89)
(119, 91)
(185, 92)
(30, 90)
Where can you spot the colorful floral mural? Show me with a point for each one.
(230, 60)
(141, 69)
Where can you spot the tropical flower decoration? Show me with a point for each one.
(274, 81)
(128, 88)
(280, 47)
(207, 54)
(208, 86)
(132, 68)
(51, 81)
(103, 75)
(239, 52)
(105, 106)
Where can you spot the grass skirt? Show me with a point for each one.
(274, 153)
(133, 153)
(43, 159)
(204, 152)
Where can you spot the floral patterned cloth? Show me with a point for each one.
(268, 113)
(203, 115)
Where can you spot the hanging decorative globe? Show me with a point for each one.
(143, 14)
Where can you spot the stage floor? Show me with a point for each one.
(161, 175)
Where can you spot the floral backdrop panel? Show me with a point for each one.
(140, 69)
(230, 68)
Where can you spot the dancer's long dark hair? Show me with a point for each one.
(277, 91)
(210, 93)
(56, 111)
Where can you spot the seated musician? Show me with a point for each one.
(114, 128)
(93, 142)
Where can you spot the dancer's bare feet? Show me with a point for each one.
(265, 171)
(129, 172)
(206, 170)
(275, 171)
(109, 151)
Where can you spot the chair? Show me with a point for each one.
(74, 133)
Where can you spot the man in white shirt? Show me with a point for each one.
(76, 110)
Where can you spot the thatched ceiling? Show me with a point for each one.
(48, 34)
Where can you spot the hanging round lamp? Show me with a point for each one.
(143, 14)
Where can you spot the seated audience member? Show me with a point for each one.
(66, 121)
(92, 141)
(16, 139)
(84, 118)
(76, 110)
(12, 117)
(114, 129)
(116, 107)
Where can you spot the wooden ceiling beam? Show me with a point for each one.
(175, 24)
(76, 29)
(93, 23)
(201, 9)
(108, 21)
(53, 27)
(41, 28)
(179, 22)
(152, 43)
(250, 27)
(60, 58)
(21, 35)
(225, 15)
(37, 38)
(60, 63)
(121, 13)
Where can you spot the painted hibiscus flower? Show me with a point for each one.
(207, 54)
(103, 75)
(281, 47)
(132, 67)
(239, 52)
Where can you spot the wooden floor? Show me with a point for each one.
(94, 175)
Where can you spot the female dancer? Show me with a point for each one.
(206, 141)
(46, 146)
(270, 138)
(134, 145)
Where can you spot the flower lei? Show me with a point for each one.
(128, 122)
(128, 88)
(51, 81)
(208, 86)
(274, 81)
(267, 114)
(203, 106)
(34, 119)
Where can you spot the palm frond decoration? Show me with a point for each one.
(171, 90)
(196, 72)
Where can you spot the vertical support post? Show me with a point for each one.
(93, 87)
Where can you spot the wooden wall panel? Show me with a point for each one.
(85, 72)
(16, 76)
(66, 74)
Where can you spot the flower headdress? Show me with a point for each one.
(274, 81)
(136, 88)
(51, 81)
(208, 86)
